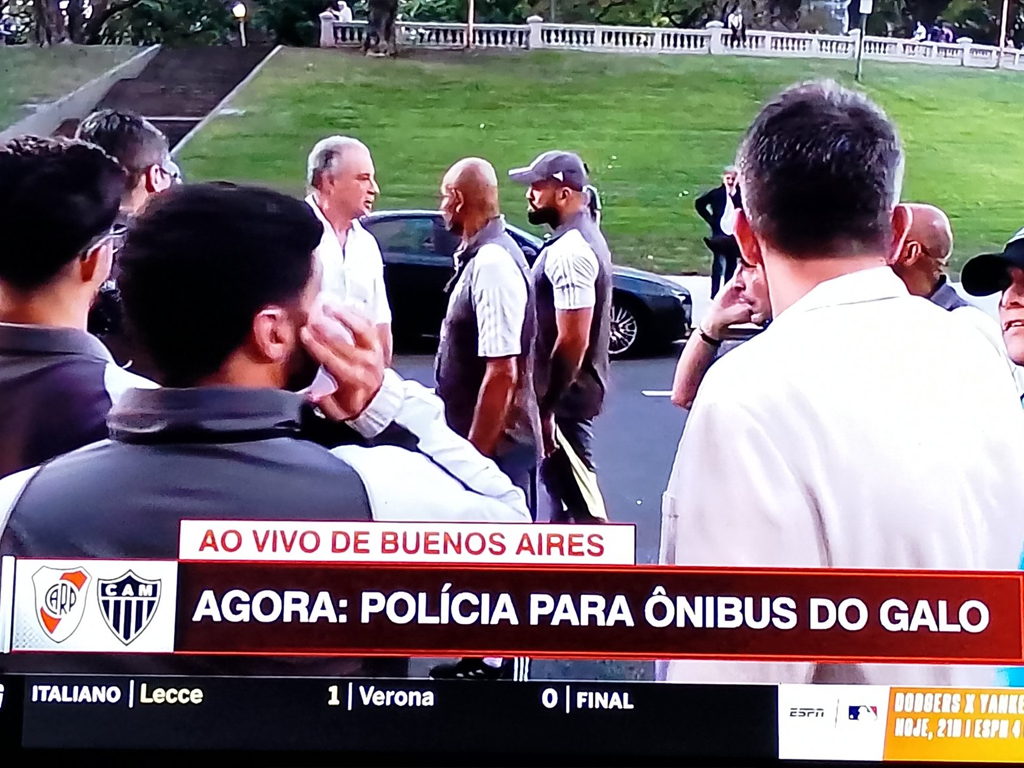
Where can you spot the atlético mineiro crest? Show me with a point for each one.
(128, 604)
(60, 600)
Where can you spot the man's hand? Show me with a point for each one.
(728, 308)
(356, 365)
(547, 433)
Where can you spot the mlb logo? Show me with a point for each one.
(128, 604)
(60, 600)
(863, 713)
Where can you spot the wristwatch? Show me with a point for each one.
(711, 341)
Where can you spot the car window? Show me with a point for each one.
(420, 236)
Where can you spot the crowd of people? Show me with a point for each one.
(241, 365)
(875, 421)
(217, 351)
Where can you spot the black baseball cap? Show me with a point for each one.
(564, 167)
(990, 272)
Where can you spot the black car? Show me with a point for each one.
(648, 311)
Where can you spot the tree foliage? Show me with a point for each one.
(296, 22)
(171, 22)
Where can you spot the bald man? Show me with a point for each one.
(484, 367)
(922, 263)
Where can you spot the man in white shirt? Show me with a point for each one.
(342, 178)
(872, 428)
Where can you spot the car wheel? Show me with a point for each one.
(625, 336)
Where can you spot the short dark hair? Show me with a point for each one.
(130, 138)
(200, 263)
(57, 196)
(821, 169)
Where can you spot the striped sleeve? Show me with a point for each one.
(445, 479)
(500, 297)
(572, 268)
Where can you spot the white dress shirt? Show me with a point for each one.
(728, 222)
(864, 428)
(355, 273)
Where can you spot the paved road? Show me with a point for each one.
(636, 439)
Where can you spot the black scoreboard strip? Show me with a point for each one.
(583, 722)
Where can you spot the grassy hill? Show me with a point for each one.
(656, 131)
(30, 75)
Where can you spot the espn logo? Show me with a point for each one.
(806, 712)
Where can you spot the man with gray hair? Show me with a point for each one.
(865, 427)
(343, 188)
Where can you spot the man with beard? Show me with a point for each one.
(573, 283)
(59, 201)
(224, 440)
(485, 358)
(142, 150)
(343, 184)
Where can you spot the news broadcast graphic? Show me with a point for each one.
(345, 542)
(964, 725)
(600, 612)
(832, 722)
(107, 606)
(596, 612)
(388, 715)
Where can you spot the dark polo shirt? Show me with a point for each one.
(57, 386)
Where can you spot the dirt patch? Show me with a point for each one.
(184, 83)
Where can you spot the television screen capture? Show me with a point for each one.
(611, 382)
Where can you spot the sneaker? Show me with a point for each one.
(476, 669)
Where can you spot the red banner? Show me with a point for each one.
(600, 612)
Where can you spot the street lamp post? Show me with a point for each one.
(865, 11)
(470, 21)
(1002, 33)
(238, 11)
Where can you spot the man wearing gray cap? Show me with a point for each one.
(573, 281)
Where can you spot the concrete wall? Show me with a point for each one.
(76, 105)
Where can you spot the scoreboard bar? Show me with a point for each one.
(378, 715)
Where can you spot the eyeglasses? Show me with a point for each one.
(116, 230)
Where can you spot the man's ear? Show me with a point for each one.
(749, 246)
(94, 267)
(273, 335)
(902, 218)
(156, 179)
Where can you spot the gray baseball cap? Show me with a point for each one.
(564, 167)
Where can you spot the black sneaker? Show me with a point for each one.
(476, 669)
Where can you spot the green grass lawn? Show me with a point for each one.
(30, 75)
(655, 131)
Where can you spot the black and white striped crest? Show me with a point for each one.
(128, 604)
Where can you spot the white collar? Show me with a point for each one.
(864, 285)
(353, 227)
